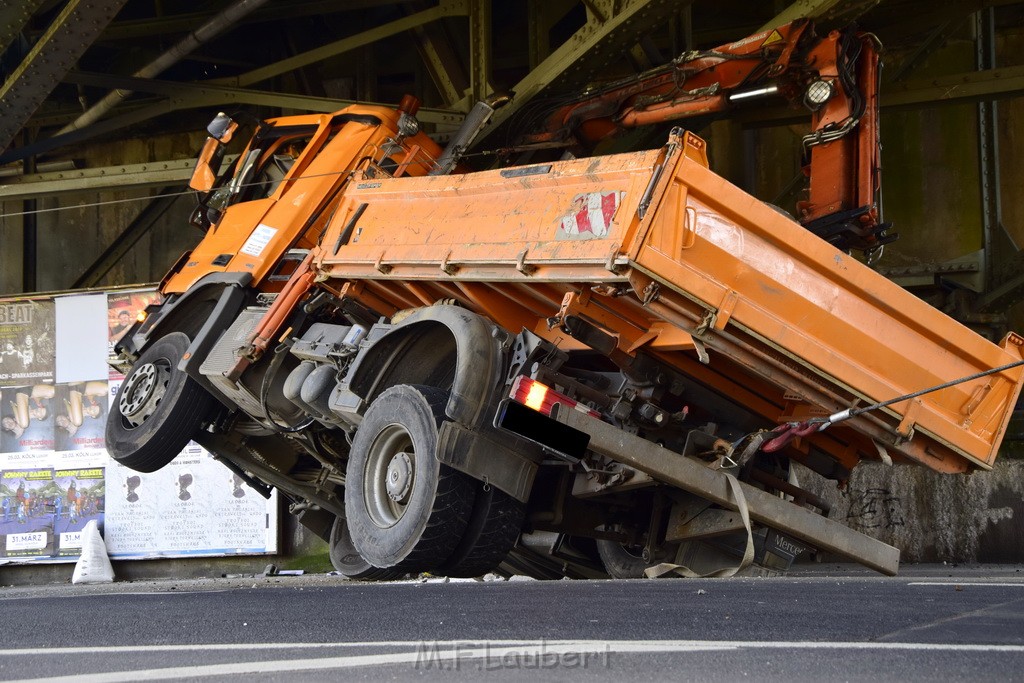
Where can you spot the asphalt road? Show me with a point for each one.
(828, 624)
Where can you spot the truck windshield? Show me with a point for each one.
(261, 168)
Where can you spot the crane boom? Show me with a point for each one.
(835, 77)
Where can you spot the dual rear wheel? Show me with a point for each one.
(405, 511)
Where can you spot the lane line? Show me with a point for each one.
(965, 583)
(427, 658)
(462, 653)
(615, 645)
(214, 647)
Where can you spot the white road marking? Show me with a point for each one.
(113, 649)
(445, 654)
(427, 655)
(110, 593)
(965, 583)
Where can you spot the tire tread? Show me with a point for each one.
(492, 533)
(149, 447)
(448, 514)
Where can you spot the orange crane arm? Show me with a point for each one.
(835, 77)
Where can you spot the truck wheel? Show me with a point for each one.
(405, 509)
(347, 560)
(158, 409)
(619, 561)
(493, 530)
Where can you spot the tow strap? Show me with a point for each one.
(667, 568)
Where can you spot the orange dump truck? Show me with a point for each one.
(591, 367)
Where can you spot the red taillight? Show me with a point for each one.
(541, 398)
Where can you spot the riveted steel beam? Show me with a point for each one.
(441, 63)
(480, 49)
(149, 174)
(912, 19)
(588, 53)
(446, 8)
(842, 10)
(183, 96)
(74, 29)
(966, 87)
(13, 18)
(279, 11)
(205, 93)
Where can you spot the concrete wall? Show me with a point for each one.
(933, 517)
(1010, 122)
(74, 229)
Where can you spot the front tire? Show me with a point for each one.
(405, 509)
(347, 560)
(158, 409)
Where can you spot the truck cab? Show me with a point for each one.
(279, 192)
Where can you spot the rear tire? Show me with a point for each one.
(620, 562)
(158, 409)
(405, 509)
(347, 560)
(493, 530)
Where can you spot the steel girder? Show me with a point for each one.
(182, 96)
(842, 10)
(965, 87)
(446, 8)
(74, 29)
(276, 11)
(611, 29)
(13, 18)
(120, 177)
(441, 63)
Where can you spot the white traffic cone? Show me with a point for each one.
(93, 565)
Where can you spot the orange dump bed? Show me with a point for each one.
(673, 261)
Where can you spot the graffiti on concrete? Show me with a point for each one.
(875, 508)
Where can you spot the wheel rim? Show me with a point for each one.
(143, 390)
(390, 475)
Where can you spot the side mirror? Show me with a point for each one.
(222, 128)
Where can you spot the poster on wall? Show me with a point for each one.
(55, 472)
(27, 341)
(193, 506)
(26, 418)
(122, 311)
(80, 416)
(27, 500)
(79, 500)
